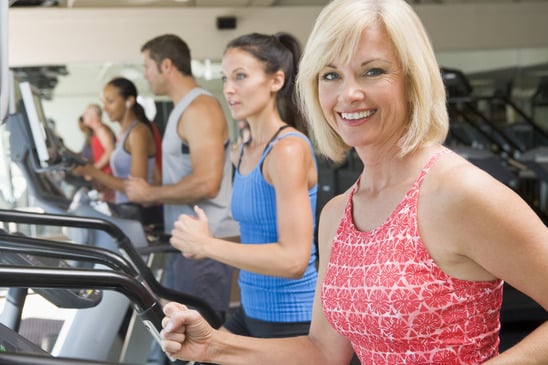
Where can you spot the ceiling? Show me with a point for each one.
(167, 3)
(216, 3)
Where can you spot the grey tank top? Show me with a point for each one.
(120, 163)
(176, 165)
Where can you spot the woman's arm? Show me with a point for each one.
(290, 169)
(187, 335)
(497, 235)
(99, 176)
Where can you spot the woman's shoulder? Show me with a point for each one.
(456, 182)
(334, 208)
(289, 153)
(141, 127)
(291, 142)
(454, 171)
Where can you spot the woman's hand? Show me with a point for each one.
(82, 170)
(186, 334)
(191, 233)
(137, 190)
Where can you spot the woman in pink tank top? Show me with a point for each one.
(414, 255)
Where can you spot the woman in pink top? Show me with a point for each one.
(413, 256)
(102, 140)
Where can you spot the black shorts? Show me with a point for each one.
(239, 323)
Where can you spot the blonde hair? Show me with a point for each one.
(336, 35)
(96, 109)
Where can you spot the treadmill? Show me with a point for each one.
(17, 350)
(136, 344)
(40, 170)
(45, 164)
(68, 287)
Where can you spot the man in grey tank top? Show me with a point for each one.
(196, 167)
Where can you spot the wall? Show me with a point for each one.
(469, 36)
(64, 35)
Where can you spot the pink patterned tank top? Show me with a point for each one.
(384, 292)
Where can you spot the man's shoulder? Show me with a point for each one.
(205, 97)
(204, 112)
(205, 103)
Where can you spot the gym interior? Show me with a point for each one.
(98, 302)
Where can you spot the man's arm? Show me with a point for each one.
(204, 129)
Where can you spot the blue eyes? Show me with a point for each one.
(332, 75)
(375, 72)
(236, 77)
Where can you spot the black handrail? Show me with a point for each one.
(144, 303)
(126, 248)
(16, 243)
(469, 100)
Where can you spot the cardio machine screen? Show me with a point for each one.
(42, 136)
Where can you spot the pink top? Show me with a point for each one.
(384, 292)
(97, 150)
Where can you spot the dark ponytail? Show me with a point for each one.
(278, 52)
(127, 88)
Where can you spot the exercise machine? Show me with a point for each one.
(133, 347)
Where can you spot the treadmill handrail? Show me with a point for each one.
(467, 100)
(528, 119)
(126, 248)
(17, 216)
(65, 251)
(145, 304)
(76, 278)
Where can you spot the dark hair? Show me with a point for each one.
(126, 89)
(278, 52)
(172, 47)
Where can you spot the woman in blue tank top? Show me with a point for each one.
(274, 193)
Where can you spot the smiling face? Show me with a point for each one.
(365, 100)
(248, 89)
(114, 104)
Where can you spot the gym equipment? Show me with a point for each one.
(36, 254)
(144, 304)
(124, 247)
(45, 176)
(17, 350)
(45, 173)
(514, 153)
(133, 345)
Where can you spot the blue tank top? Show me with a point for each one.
(120, 163)
(270, 298)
